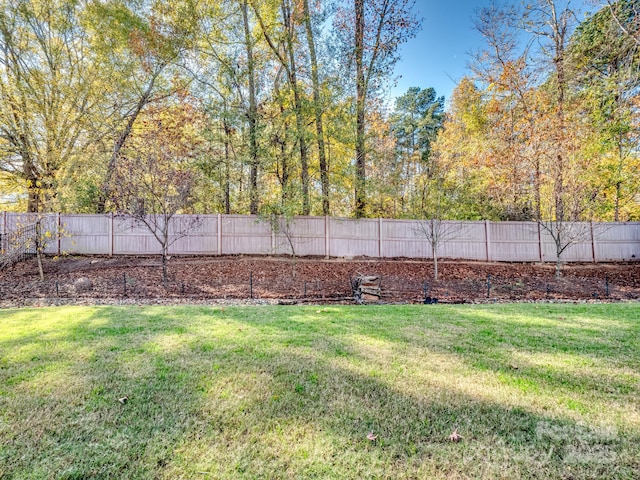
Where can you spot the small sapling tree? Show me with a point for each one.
(563, 234)
(437, 232)
(436, 205)
(281, 220)
(154, 182)
(31, 234)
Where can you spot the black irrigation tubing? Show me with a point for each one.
(422, 292)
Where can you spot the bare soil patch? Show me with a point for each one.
(234, 279)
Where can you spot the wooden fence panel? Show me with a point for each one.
(513, 241)
(463, 240)
(243, 234)
(616, 241)
(337, 237)
(352, 238)
(85, 234)
(201, 237)
(404, 238)
(307, 234)
(577, 237)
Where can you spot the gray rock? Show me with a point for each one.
(83, 284)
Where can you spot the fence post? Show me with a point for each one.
(4, 232)
(593, 243)
(487, 237)
(380, 251)
(273, 237)
(58, 228)
(540, 254)
(111, 234)
(219, 234)
(327, 239)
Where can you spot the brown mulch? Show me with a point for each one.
(247, 279)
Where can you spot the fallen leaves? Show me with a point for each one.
(455, 436)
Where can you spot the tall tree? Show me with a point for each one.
(506, 68)
(606, 67)
(284, 50)
(626, 15)
(145, 42)
(416, 121)
(317, 107)
(371, 33)
(252, 114)
(48, 88)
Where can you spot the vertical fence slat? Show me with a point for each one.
(487, 238)
(3, 244)
(540, 251)
(58, 232)
(380, 238)
(111, 234)
(219, 234)
(593, 243)
(327, 238)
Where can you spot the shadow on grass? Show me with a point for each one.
(282, 393)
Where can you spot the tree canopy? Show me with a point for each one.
(282, 106)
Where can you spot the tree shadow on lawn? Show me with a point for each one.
(236, 395)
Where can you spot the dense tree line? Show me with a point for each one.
(547, 127)
(279, 107)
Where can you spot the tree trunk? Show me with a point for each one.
(227, 166)
(165, 268)
(38, 245)
(616, 211)
(293, 80)
(122, 138)
(317, 108)
(435, 264)
(253, 114)
(33, 189)
(360, 173)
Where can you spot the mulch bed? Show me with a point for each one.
(246, 279)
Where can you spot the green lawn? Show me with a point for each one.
(535, 390)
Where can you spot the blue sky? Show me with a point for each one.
(437, 57)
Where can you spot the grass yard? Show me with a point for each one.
(535, 391)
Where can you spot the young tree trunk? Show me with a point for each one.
(253, 113)
(317, 109)
(165, 262)
(293, 80)
(435, 263)
(122, 138)
(227, 166)
(360, 173)
(38, 245)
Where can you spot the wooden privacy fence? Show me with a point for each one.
(333, 237)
